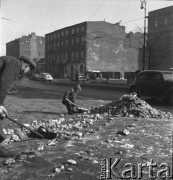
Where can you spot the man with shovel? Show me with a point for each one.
(10, 69)
(70, 97)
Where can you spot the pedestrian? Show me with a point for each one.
(77, 76)
(10, 69)
(70, 96)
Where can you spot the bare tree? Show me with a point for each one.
(155, 46)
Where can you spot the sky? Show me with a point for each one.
(21, 17)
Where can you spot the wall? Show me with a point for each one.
(13, 48)
(106, 50)
(160, 38)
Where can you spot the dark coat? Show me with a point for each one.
(70, 94)
(9, 71)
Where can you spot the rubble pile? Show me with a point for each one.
(129, 105)
(52, 128)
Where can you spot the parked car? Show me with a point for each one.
(36, 77)
(41, 77)
(80, 77)
(46, 77)
(154, 84)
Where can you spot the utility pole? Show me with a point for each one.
(143, 6)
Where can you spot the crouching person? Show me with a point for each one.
(10, 69)
(70, 97)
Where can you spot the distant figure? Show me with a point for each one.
(107, 75)
(77, 76)
(70, 97)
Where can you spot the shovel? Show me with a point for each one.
(80, 109)
(36, 133)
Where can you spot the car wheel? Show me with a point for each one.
(135, 90)
(170, 98)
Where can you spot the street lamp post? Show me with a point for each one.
(143, 6)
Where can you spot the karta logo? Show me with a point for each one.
(110, 168)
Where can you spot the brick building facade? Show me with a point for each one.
(31, 45)
(89, 46)
(160, 38)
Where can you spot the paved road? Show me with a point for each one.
(90, 92)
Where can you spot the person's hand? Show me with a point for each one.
(3, 112)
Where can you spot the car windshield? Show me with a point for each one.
(168, 76)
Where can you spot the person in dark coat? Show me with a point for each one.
(70, 95)
(77, 76)
(10, 69)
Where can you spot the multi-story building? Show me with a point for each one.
(89, 46)
(31, 45)
(160, 38)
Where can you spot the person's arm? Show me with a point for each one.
(66, 95)
(3, 112)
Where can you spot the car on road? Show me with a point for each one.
(35, 77)
(46, 77)
(81, 78)
(154, 84)
(41, 77)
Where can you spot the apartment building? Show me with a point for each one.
(89, 46)
(30, 45)
(160, 38)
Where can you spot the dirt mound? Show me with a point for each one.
(129, 105)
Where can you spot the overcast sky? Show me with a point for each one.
(21, 17)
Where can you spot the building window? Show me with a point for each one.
(77, 55)
(82, 39)
(62, 33)
(72, 31)
(66, 42)
(82, 28)
(77, 40)
(82, 54)
(54, 36)
(66, 56)
(72, 55)
(58, 44)
(165, 21)
(77, 29)
(72, 41)
(156, 23)
(66, 32)
(58, 35)
(62, 43)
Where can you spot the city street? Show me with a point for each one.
(91, 93)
